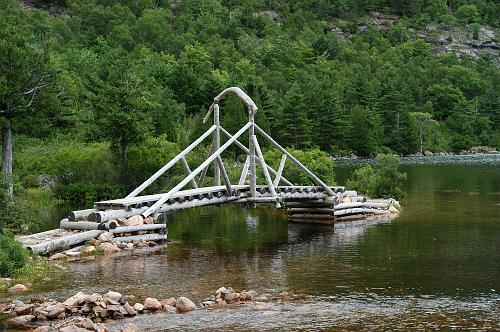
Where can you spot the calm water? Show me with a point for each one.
(435, 266)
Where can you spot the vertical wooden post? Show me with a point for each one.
(251, 153)
(216, 143)
(266, 172)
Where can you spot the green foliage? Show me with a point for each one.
(468, 14)
(382, 180)
(13, 256)
(315, 160)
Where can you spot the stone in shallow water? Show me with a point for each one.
(130, 328)
(21, 321)
(138, 307)
(152, 304)
(184, 304)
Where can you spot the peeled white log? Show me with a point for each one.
(359, 211)
(85, 225)
(138, 238)
(350, 193)
(80, 214)
(138, 228)
(64, 242)
(342, 206)
(102, 216)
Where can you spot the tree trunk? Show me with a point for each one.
(124, 154)
(7, 156)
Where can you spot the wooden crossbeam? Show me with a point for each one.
(247, 151)
(171, 163)
(311, 175)
(244, 172)
(187, 170)
(227, 183)
(280, 170)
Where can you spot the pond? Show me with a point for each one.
(436, 265)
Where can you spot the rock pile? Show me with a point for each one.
(82, 312)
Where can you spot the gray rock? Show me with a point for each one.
(138, 307)
(130, 311)
(55, 310)
(18, 288)
(24, 310)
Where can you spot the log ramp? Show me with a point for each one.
(137, 219)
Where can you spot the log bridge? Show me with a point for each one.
(315, 203)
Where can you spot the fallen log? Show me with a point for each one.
(139, 238)
(81, 225)
(64, 242)
(138, 228)
(80, 214)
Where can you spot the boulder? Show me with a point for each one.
(21, 321)
(130, 328)
(152, 304)
(72, 328)
(100, 312)
(231, 297)
(130, 311)
(112, 297)
(106, 237)
(42, 329)
(122, 221)
(88, 250)
(184, 304)
(170, 302)
(57, 256)
(95, 298)
(392, 209)
(55, 310)
(18, 288)
(85, 323)
(138, 307)
(149, 220)
(108, 247)
(135, 220)
(24, 310)
(76, 300)
(428, 153)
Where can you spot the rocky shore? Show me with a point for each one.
(92, 312)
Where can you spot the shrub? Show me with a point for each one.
(382, 180)
(13, 256)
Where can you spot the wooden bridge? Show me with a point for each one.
(319, 202)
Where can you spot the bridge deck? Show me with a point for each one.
(200, 192)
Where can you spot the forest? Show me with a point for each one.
(96, 95)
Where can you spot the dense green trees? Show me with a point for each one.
(124, 73)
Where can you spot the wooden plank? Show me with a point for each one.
(179, 186)
(311, 175)
(172, 162)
